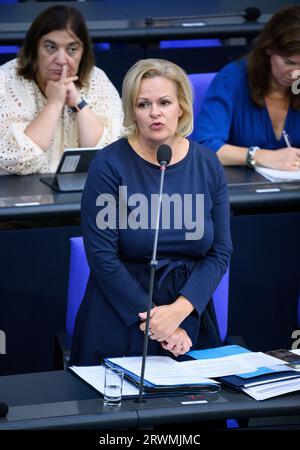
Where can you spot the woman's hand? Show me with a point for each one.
(178, 343)
(73, 95)
(58, 92)
(283, 159)
(165, 319)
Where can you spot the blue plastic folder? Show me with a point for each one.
(260, 375)
(228, 350)
(151, 388)
(218, 352)
(238, 382)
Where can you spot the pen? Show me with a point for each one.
(286, 139)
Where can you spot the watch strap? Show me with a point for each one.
(79, 106)
(250, 160)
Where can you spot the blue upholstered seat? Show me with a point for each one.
(200, 83)
(78, 276)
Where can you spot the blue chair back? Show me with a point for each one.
(200, 83)
(78, 278)
(220, 299)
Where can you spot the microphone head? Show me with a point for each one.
(3, 409)
(252, 13)
(164, 154)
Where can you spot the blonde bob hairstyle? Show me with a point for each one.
(151, 68)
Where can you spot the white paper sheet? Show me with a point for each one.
(278, 175)
(94, 375)
(166, 371)
(264, 391)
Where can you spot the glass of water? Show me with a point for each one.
(113, 385)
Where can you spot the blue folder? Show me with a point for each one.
(237, 382)
(151, 388)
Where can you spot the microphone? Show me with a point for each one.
(164, 155)
(250, 14)
(3, 409)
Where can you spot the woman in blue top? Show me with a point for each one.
(251, 103)
(118, 208)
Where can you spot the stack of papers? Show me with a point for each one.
(279, 175)
(268, 389)
(259, 375)
(284, 383)
(164, 374)
(94, 376)
(268, 377)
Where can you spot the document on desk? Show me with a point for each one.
(260, 362)
(238, 364)
(269, 390)
(94, 375)
(162, 370)
(279, 175)
(163, 374)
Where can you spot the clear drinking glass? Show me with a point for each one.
(113, 385)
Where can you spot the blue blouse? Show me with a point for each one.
(229, 116)
(119, 255)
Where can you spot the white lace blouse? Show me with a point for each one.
(20, 102)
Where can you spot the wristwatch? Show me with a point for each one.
(79, 106)
(250, 161)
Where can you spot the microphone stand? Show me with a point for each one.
(153, 265)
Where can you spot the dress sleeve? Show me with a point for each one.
(119, 287)
(18, 153)
(207, 273)
(217, 109)
(105, 102)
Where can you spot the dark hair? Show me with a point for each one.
(281, 35)
(58, 17)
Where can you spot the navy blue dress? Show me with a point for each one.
(118, 188)
(229, 116)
